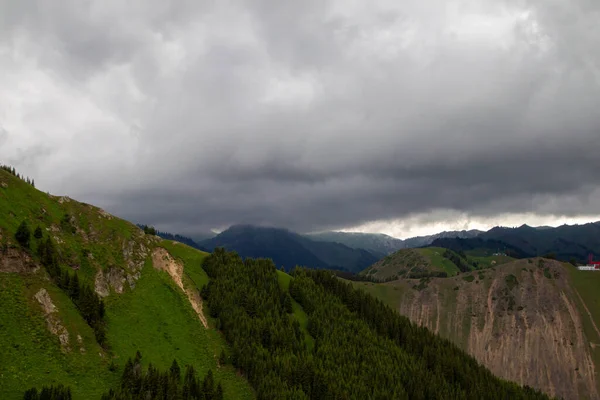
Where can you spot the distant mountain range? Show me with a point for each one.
(566, 242)
(353, 251)
(376, 243)
(382, 245)
(420, 241)
(289, 249)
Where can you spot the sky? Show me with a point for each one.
(398, 117)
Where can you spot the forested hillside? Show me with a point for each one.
(570, 243)
(321, 338)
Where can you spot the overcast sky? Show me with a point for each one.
(404, 117)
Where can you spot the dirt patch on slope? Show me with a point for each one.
(52, 321)
(520, 321)
(161, 259)
(16, 260)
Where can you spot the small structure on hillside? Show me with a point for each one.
(592, 265)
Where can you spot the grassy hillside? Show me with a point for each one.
(146, 309)
(429, 262)
(489, 261)
(298, 312)
(412, 263)
(32, 356)
(533, 320)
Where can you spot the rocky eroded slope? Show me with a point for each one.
(523, 320)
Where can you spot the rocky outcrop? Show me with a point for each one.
(521, 321)
(52, 320)
(16, 260)
(112, 278)
(135, 252)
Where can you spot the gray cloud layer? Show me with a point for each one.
(317, 114)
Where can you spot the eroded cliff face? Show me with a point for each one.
(520, 320)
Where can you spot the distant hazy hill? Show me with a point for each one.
(479, 245)
(289, 249)
(565, 242)
(377, 243)
(420, 241)
(382, 245)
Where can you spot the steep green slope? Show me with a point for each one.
(534, 321)
(43, 336)
(32, 356)
(298, 312)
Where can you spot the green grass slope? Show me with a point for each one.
(587, 286)
(436, 258)
(298, 312)
(31, 356)
(412, 263)
(153, 315)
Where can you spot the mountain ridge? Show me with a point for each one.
(289, 249)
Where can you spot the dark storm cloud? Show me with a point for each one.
(310, 115)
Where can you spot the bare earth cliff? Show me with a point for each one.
(520, 320)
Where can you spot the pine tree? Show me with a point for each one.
(219, 392)
(127, 377)
(175, 371)
(287, 304)
(208, 385)
(38, 233)
(222, 358)
(31, 394)
(74, 291)
(23, 235)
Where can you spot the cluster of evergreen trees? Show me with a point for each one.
(53, 392)
(164, 385)
(460, 260)
(362, 348)
(23, 235)
(89, 304)
(150, 230)
(11, 170)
